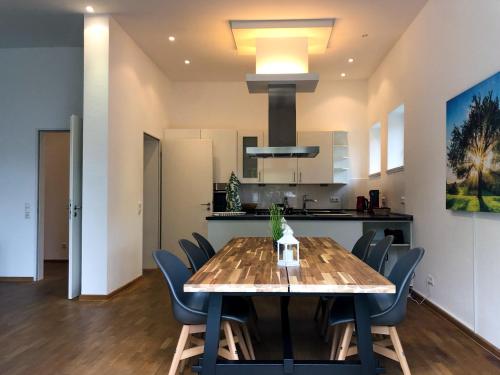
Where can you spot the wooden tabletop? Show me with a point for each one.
(248, 264)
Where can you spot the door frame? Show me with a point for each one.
(160, 187)
(40, 254)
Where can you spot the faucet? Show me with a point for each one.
(305, 199)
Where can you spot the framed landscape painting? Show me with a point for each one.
(473, 148)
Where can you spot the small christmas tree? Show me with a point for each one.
(233, 194)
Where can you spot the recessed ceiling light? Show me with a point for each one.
(171, 38)
(364, 36)
(343, 75)
(187, 62)
(350, 60)
(89, 9)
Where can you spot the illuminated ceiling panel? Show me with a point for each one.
(317, 32)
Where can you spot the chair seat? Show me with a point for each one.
(343, 309)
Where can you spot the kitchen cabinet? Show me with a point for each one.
(318, 170)
(249, 169)
(171, 134)
(341, 159)
(224, 149)
(279, 170)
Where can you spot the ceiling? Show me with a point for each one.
(203, 35)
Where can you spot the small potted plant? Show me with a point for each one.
(276, 223)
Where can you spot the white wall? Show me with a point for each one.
(448, 48)
(125, 96)
(336, 105)
(40, 88)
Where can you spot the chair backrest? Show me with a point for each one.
(376, 254)
(204, 244)
(196, 256)
(176, 274)
(401, 276)
(362, 245)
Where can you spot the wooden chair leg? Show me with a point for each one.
(346, 341)
(241, 341)
(185, 361)
(399, 350)
(335, 342)
(179, 349)
(248, 340)
(228, 332)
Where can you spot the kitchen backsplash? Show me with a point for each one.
(267, 194)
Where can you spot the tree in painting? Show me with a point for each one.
(473, 182)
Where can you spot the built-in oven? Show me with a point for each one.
(219, 198)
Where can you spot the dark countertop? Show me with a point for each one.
(353, 216)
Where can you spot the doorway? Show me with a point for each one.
(151, 215)
(53, 190)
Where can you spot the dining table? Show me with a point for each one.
(247, 266)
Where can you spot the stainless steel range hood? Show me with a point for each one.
(282, 89)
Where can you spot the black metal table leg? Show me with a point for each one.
(212, 334)
(364, 334)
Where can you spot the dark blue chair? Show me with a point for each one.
(204, 245)
(360, 250)
(196, 256)
(190, 309)
(362, 245)
(386, 311)
(377, 254)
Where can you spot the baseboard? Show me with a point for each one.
(16, 279)
(486, 345)
(106, 297)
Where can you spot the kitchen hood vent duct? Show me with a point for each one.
(282, 127)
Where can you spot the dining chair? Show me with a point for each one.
(190, 309)
(196, 256)
(360, 250)
(362, 245)
(377, 254)
(204, 244)
(386, 312)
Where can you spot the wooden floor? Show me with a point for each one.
(135, 333)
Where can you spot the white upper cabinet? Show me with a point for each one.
(280, 170)
(249, 169)
(318, 170)
(224, 149)
(170, 134)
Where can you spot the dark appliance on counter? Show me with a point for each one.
(219, 198)
(374, 199)
(361, 204)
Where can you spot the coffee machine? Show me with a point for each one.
(374, 199)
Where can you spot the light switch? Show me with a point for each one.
(27, 210)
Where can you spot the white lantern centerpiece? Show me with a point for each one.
(288, 248)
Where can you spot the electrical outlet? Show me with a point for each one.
(430, 280)
(334, 199)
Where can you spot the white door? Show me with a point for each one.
(75, 208)
(318, 170)
(187, 190)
